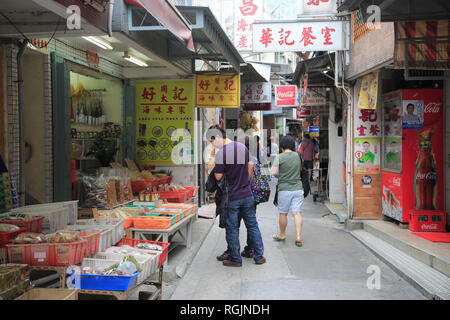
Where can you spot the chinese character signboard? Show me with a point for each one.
(315, 97)
(246, 12)
(258, 92)
(313, 7)
(217, 90)
(285, 96)
(369, 91)
(164, 121)
(299, 36)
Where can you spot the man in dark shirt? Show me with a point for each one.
(233, 161)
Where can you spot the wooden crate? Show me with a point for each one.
(50, 294)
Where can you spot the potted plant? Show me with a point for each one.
(104, 149)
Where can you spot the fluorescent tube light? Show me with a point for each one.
(99, 42)
(134, 60)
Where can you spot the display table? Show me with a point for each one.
(182, 227)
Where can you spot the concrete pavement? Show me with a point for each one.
(330, 265)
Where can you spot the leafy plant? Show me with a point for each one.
(104, 149)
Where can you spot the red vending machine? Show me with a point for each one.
(412, 158)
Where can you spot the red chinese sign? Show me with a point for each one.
(299, 36)
(246, 13)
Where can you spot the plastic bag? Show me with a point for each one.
(8, 227)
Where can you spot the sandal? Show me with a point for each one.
(298, 243)
(277, 238)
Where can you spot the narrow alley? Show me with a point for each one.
(332, 264)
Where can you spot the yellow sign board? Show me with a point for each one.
(217, 90)
(369, 91)
(164, 122)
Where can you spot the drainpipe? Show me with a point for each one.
(20, 94)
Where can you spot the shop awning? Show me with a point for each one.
(210, 40)
(249, 73)
(319, 69)
(401, 10)
(169, 17)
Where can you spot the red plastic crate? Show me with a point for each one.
(174, 196)
(427, 220)
(192, 191)
(5, 237)
(93, 239)
(48, 254)
(32, 225)
(134, 242)
(140, 185)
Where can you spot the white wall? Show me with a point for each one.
(336, 157)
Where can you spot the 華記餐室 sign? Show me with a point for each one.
(286, 96)
(299, 36)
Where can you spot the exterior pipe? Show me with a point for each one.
(20, 94)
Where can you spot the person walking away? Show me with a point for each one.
(307, 153)
(290, 188)
(232, 160)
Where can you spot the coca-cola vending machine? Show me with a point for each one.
(412, 162)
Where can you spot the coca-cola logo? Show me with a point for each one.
(286, 95)
(430, 226)
(432, 107)
(426, 176)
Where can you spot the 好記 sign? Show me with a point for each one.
(299, 36)
(285, 96)
(164, 116)
(217, 90)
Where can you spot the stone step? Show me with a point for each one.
(429, 258)
(432, 283)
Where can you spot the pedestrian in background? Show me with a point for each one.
(290, 189)
(232, 160)
(306, 151)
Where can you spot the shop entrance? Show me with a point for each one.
(96, 113)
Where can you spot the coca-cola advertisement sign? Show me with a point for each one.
(285, 96)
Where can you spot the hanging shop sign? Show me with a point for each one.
(299, 36)
(315, 97)
(257, 106)
(245, 14)
(304, 89)
(303, 111)
(285, 96)
(314, 131)
(217, 90)
(369, 91)
(314, 7)
(164, 122)
(258, 92)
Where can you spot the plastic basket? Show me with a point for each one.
(54, 218)
(180, 213)
(174, 216)
(5, 237)
(72, 205)
(140, 185)
(190, 208)
(192, 191)
(152, 222)
(107, 283)
(149, 263)
(32, 225)
(134, 242)
(174, 196)
(91, 235)
(106, 236)
(47, 254)
(116, 223)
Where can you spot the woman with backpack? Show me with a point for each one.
(290, 193)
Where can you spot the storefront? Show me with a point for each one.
(396, 122)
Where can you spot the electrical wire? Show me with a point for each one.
(24, 36)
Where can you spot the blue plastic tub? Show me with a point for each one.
(107, 283)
